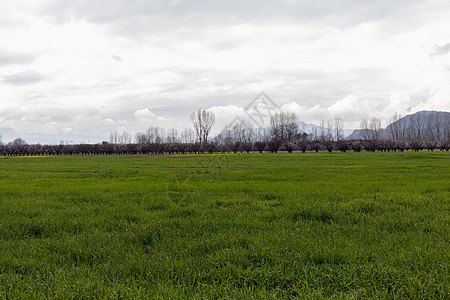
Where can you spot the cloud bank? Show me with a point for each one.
(90, 67)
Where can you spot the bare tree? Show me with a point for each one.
(329, 136)
(209, 119)
(151, 134)
(276, 127)
(435, 126)
(160, 135)
(125, 138)
(172, 136)
(420, 126)
(114, 137)
(364, 127)
(261, 134)
(19, 142)
(395, 127)
(431, 124)
(338, 129)
(155, 135)
(187, 135)
(225, 137)
(284, 126)
(417, 127)
(119, 138)
(140, 138)
(314, 134)
(291, 124)
(203, 121)
(243, 131)
(375, 129)
(322, 133)
(370, 130)
(446, 128)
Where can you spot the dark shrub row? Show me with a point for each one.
(182, 148)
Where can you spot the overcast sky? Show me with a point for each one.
(89, 67)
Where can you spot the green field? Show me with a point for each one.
(240, 226)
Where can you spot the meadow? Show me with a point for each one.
(239, 226)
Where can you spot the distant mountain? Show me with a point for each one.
(421, 125)
(314, 129)
(355, 135)
(8, 134)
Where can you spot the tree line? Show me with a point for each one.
(416, 133)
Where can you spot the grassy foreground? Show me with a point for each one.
(263, 226)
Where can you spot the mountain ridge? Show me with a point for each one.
(420, 125)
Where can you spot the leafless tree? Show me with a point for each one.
(364, 129)
(125, 138)
(395, 129)
(187, 135)
(370, 130)
(19, 142)
(431, 126)
(208, 121)
(155, 135)
(203, 121)
(329, 136)
(276, 127)
(225, 137)
(119, 138)
(262, 134)
(435, 126)
(314, 134)
(338, 129)
(375, 129)
(322, 134)
(114, 137)
(140, 138)
(446, 129)
(160, 135)
(284, 126)
(150, 135)
(244, 131)
(291, 125)
(417, 127)
(172, 136)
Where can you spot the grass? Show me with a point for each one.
(248, 226)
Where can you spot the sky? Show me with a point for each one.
(82, 68)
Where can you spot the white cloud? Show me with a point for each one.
(309, 114)
(225, 116)
(350, 106)
(67, 130)
(146, 114)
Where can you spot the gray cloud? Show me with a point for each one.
(10, 58)
(342, 12)
(421, 96)
(440, 50)
(117, 58)
(24, 78)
